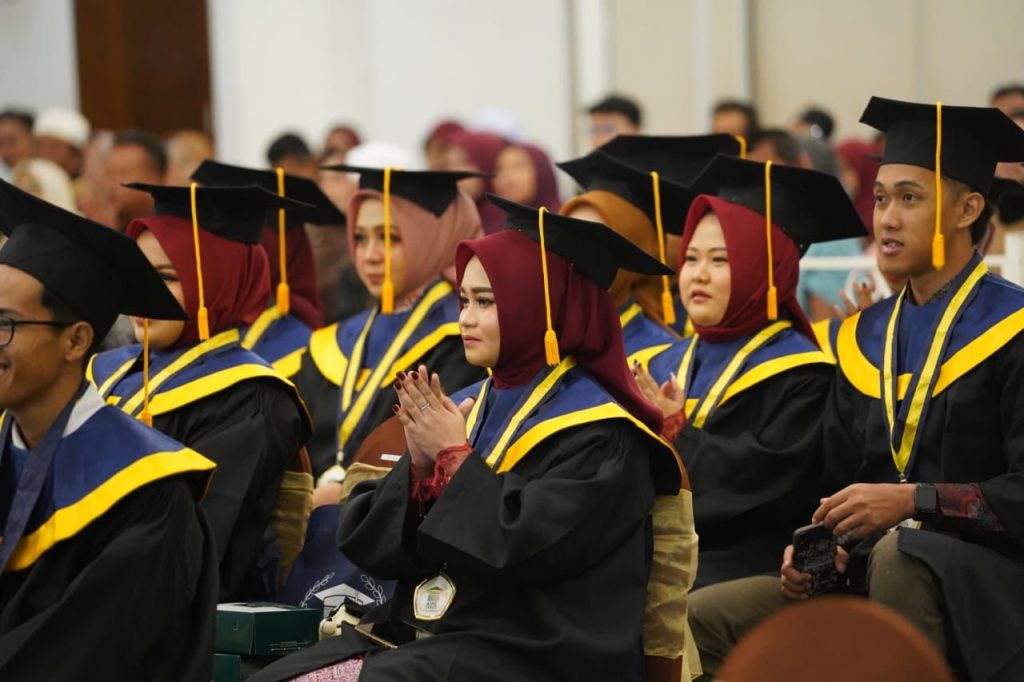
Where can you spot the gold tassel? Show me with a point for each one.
(387, 293)
(284, 294)
(938, 242)
(203, 316)
(551, 354)
(668, 311)
(773, 294)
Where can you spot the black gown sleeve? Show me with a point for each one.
(571, 501)
(132, 596)
(762, 447)
(251, 431)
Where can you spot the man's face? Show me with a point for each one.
(131, 163)
(15, 142)
(606, 125)
(1009, 103)
(730, 122)
(60, 152)
(904, 223)
(36, 356)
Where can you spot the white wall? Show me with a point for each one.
(838, 54)
(38, 63)
(393, 67)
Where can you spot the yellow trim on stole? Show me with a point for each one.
(865, 377)
(822, 329)
(260, 326)
(68, 521)
(290, 364)
(326, 355)
(210, 384)
(419, 349)
(522, 446)
(644, 355)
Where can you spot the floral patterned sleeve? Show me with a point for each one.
(963, 508)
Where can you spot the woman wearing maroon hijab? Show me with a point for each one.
(520, 548)
(200, 386)
(743, 397)
(476, 151)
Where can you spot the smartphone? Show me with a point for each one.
(814, 552)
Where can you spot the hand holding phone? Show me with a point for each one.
(814, 552)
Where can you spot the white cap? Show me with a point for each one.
(377, 155)
(64, 124)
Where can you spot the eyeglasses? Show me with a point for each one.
(7, 327)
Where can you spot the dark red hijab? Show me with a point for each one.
(305, 298)
(236, 277)
(547, 185)
(483, 150)
(744, 231)
(863, 158)
(582, 313)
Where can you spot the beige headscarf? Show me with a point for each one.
(46, 180)
(429, 240)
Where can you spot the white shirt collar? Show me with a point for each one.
(89, 404)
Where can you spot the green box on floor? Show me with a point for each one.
(264, 629)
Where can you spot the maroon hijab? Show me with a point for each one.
(547, 185)
(583, 315)
(863, 158)
(483, 150)
(236, 277)
(744, 231)
(305, 298)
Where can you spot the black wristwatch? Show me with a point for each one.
(926, 502)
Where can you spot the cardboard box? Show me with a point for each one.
(264, 629)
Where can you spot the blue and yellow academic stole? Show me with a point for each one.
(279, 339)
(107, 458)
(178, 378)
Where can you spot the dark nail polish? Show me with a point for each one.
(414, 375)
(397, 385)
(401, 375)
(394, 408)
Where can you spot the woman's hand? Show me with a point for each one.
(432, 422)
(668, 397)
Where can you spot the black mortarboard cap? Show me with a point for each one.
(809, 206)
(99, 272)
(1007, 198)
(601, 171)
(679, 158)
(974, 139)
(594, 249)
(322, 211)
(235, 213)
(433, 190)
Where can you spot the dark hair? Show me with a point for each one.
(26, 119)
(820, 119)
(726, 105)
(980, 225)
(1007, 90)
(617, 104)
(151, 143)
(288, 145)
(786, 146)
(63, 311)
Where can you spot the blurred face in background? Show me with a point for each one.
(516, 177)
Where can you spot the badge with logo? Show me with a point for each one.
(432, 597)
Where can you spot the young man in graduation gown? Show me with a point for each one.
(928, 413)
(107, 567)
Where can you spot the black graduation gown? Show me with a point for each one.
(973, 433)
(447, 358)
(541, 561)
(754, 469)
(130, 597)
(251, 431)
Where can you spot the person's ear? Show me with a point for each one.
(969, 208)
(79, 337)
